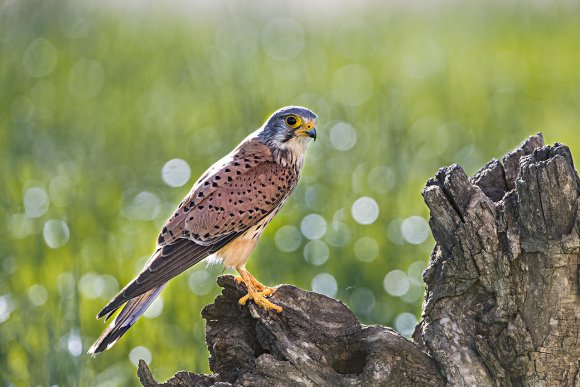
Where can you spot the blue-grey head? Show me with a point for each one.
(289, 128)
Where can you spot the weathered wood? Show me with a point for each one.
(316, 341)
(502, 304)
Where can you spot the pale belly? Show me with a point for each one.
(236, 252)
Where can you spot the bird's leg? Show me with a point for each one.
(256, 291)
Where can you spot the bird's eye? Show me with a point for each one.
(293, 121)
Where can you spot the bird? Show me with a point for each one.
(221, 218)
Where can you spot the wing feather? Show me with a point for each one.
(249, 154)
(187, 254)
(130, 313)
(241, 204)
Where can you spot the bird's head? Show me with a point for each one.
(289, 128)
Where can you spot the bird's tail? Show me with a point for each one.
(124, 320)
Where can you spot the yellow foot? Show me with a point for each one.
(259, 287)
(256, 291)
(260, 299)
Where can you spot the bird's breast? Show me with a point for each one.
(236, 252)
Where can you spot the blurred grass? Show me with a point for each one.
(92, 111)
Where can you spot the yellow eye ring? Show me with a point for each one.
(293, 121)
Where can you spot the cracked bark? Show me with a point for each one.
(501, 307)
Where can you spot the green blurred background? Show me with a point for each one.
(110, 110)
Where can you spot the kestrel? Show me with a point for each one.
(223, 216)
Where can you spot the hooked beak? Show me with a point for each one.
(311, 133)
(307, 130)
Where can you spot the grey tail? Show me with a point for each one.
(134, 308)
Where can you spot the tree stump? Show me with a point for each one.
(501, 308)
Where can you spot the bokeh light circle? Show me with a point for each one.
(316, 252)
(316, 197)
(338, 234)
(40, 58)
(37, 294)
(200, 282)
(176, 172)
(405, 323)
(415, 230)
(324, 283)
(288, 239)
(56, 233)
(362, 300)
(396, 283)
(144, 206)
(91, 285)
(313, 226)
(342, 136)
(365, 210)
(20, 226)
(366, 249)
(74, 343)
(139, 353)
(35, 202)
